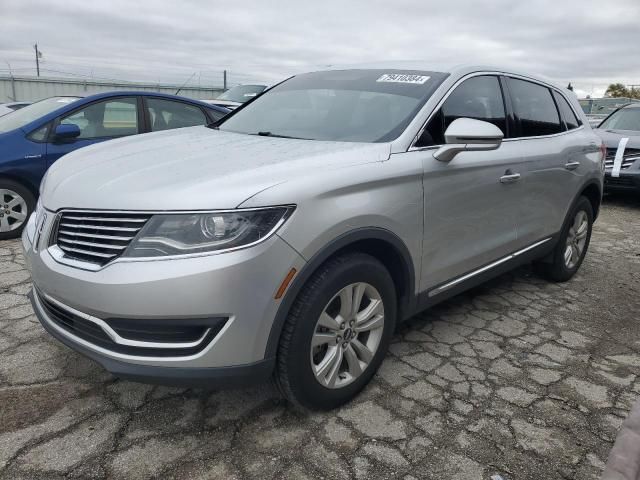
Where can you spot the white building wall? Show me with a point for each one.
(31, 89)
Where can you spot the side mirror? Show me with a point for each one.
(467, 135)
(66, 132)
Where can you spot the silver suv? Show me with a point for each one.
(290, 239)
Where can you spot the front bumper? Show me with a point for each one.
(238, 286)
(628, 180)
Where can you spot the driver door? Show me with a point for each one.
(471, 202)
(98, 121)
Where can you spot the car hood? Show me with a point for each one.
(195, 168)
(612, 138)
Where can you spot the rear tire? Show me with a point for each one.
(337, 332)
(16, 204)
(572, 245)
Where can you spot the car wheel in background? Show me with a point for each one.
(572, 245)
(16, 204)
(337, 332)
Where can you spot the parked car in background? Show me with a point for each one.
(11, 107)
(595, 119)
(290, 238)
(34, 137)
(236, 96)
(620, 132)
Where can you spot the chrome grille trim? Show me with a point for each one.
(94, 237)
(631, 155)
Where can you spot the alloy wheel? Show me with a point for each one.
(576, 239)
(13, 210)
(347, 335)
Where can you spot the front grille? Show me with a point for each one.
(629, 158)
(96, 237)
(166, 331)
(618, 181)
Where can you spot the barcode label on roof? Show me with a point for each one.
(403, 78)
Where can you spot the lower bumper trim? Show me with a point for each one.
(216, 377)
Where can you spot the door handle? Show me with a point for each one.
(510, 178)
(571, 165)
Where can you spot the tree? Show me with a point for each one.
(617, 90)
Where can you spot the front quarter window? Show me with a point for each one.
(39, 135)
(370, 105)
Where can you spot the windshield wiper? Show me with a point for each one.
(269, 134)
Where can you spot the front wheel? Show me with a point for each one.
(16, 204)
(337, 332)
(573, 243)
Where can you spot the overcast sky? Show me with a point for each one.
(588, 42)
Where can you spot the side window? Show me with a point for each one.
(479, 98)
(39, 135)
(167, 114)
(534, 107)
(111, 118)
(216, 115)
(568, 116)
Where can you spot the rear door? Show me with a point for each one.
(98, 121)
(551, 151)
(164, 114)
(470, 214)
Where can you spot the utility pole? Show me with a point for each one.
(38, 55)
(224, 80)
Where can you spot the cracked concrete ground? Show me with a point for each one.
(520, 377)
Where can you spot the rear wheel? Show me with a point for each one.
(16, 204)
(337, 332)
(572, 245)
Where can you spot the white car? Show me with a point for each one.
(6, 108)
(236, 96)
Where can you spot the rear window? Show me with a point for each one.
(567, 113)
(535, 108)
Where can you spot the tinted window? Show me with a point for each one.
(110, 118)
(534, 106)
(341, 105)
(479, 98)
(566, 112)
(215, 114)
(167, 114)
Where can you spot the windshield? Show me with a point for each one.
(623, 119)
(340, 105)
(28, 114)
(242, 93)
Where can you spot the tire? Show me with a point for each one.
(16, 204)
(299, 372)
(560, 269)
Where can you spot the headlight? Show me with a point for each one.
(183, 234)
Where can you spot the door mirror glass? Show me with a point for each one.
(66, 132)
(466, 135)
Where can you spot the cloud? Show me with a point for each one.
(590, 43)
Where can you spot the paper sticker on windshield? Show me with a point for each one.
(403, 78)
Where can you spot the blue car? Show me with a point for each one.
(34, 137)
